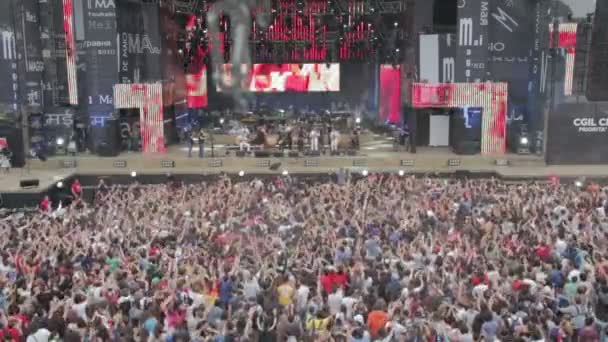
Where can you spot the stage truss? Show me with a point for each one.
(491, 97)
(149, 99)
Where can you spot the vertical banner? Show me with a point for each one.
(129, 23)
(539, 67)
(102, 69)
(597, 83)
(49, 75)
(567, 41)
(101, 55)
(447, 58)
(31, 82)
(70, 51)
(138, 39)
(438, 58)
(510, 45)
(57, 80)
(151, 42)
(9, 86)
(390, 93)
(472, 50)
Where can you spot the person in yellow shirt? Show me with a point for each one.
(285, 291)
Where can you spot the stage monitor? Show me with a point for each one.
(472, 122)
(289, 77)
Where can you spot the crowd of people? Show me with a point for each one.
(380, 258)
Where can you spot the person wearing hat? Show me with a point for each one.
(358, 333)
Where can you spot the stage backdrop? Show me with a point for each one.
(490, 97)
(359, 90)
(578, 134)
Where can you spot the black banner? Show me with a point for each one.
(471, 56)
(58, 85)
(578, 133)
(539, 69)
(510, 37)
(447, 58)
(31, 83)
(173, 67)
(139, 42)
(101, 47)
(9, 83)
(597, 84)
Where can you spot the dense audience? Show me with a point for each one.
(383, 258)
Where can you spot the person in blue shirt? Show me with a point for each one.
(226, 290)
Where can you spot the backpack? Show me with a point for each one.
(579, 318)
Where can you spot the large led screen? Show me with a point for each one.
(196, 85)
(289, 77)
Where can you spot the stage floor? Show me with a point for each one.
(375, 155)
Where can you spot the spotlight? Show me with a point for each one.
(397, 50)
(358, 121)
(60, 141)
(396, 24)
(133, 174)
(285, 173)
(578, 184)
(524, 141)
(60, 184)
(365, 173)
(241, 173)
(401, 173)
(221, 121)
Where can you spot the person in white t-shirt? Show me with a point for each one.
(41, 335)
(334, 301)
(314, 140)
(334, 140)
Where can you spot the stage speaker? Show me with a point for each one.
(278, 154)
(294, 154)
(314, 153)
(597, 84)
(467, 147)
(29, 183)
(352, 152)
(462, 174)
(275, 166)
(106, 138)
(240, 153)
(14, 140)
(261, 154)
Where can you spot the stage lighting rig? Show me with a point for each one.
(240, 15)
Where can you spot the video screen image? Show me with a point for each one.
(311, 77)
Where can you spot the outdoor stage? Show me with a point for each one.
(375, 155)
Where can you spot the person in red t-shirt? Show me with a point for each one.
(544, 252)
(340, 279)
(327, 281)
(45, 204)
(76, 189)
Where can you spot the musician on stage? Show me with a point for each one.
(243, 141)
(201, 143)
(301, 137)
(190, 143)
(5, 159)
(314, 139)
(334, 136)
(355, 139)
